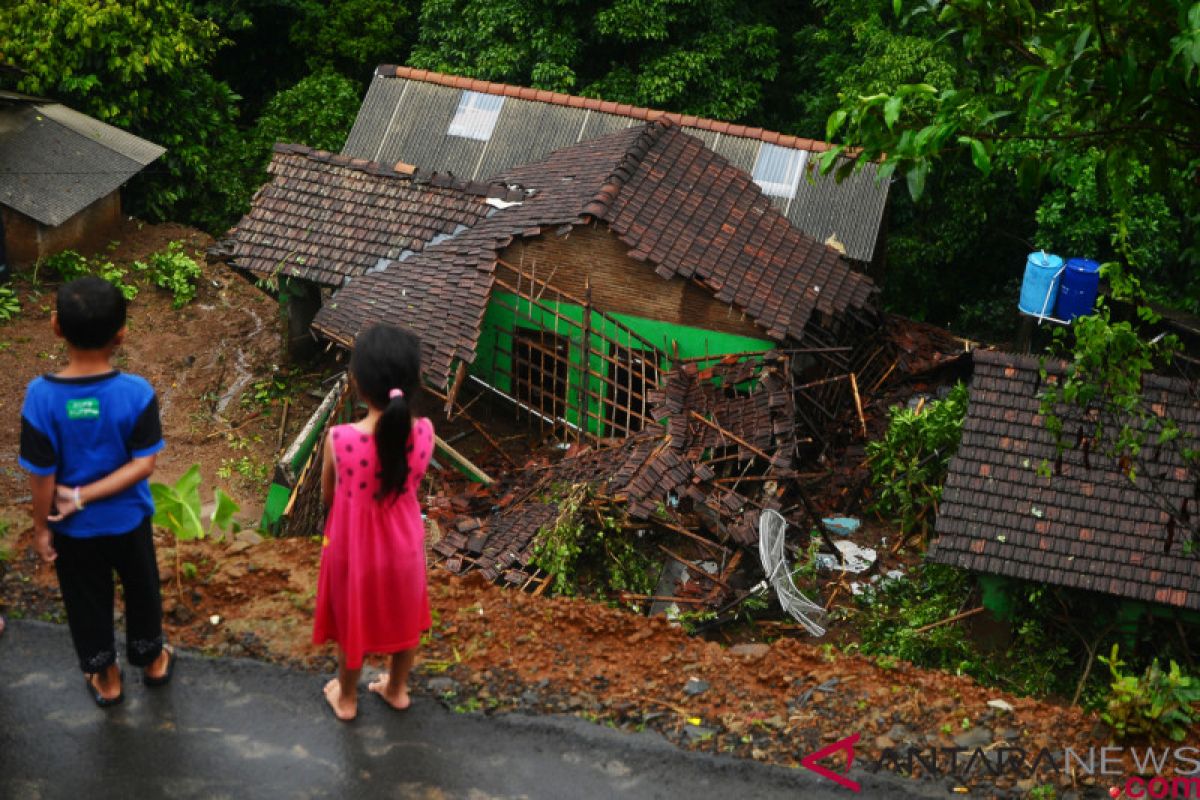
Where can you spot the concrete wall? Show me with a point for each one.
(27, 240)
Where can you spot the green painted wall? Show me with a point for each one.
(997, 594)
(496, 345)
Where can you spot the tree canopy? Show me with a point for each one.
(1012, 125)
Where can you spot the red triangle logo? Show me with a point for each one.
(846, 745)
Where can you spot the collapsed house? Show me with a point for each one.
(1013, 506)
(726, 451)
(636, 294)
(627, 253)
(61, 173)
(477, 129)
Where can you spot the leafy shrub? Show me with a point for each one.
(173, 270)
(585, 548)
(890, 617)
(69, 265)
(908, 465)
(1156, 703)
(10, 304)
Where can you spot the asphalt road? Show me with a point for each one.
(241, 729)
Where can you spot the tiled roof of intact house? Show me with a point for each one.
(411, 114)
(679, 207)
(1086, 526)
(55, 162)
(325, 217)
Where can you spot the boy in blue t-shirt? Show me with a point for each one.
(89, 439)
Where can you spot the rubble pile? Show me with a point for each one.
(725, 452)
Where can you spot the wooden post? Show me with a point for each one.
(585, 371)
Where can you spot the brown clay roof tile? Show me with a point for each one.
(1087, 525)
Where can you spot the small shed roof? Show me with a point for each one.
(55, 162)
(656, 188)
(1087, 526)
(325, 217)
(410, 114)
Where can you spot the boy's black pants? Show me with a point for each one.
(85, 575)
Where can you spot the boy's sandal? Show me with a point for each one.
(165, 678)
(99, 699)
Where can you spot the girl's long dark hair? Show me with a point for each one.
(385, 358)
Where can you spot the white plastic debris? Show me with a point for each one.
(771, 529)
(1001, 705)
(855, 559)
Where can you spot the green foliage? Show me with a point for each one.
(585, 549)
(707, 57)
(173, 270)
(1063, 96)
(10, 304)
(1143, 232)
(142, 67)
(908, 465)
(69, 265)
(890, 616)
(317, 111)
(353, 35)
(177, 507)
(1098, 405)
(1162, 705)
(949, 254)
(253, 474)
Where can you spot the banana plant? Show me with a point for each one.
(177, 508)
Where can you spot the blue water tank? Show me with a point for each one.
(1039, 290)
(1078, 288)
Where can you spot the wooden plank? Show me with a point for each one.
(462, 461)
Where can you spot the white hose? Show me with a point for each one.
(771, 529)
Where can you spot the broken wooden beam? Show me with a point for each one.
(462, 462)
(731, 436)
(858, 404)
(948, 620)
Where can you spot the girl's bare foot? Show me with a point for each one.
(396, 697)
(343, 708)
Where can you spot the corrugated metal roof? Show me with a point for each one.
(406, 114)
(55, 162)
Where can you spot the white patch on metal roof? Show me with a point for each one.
(476, 116)
(777, 170)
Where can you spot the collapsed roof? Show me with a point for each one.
(713, 435)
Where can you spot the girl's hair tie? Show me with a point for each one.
(394, 393)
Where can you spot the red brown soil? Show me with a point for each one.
(490, 649)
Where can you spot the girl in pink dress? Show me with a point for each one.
(371, 594)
